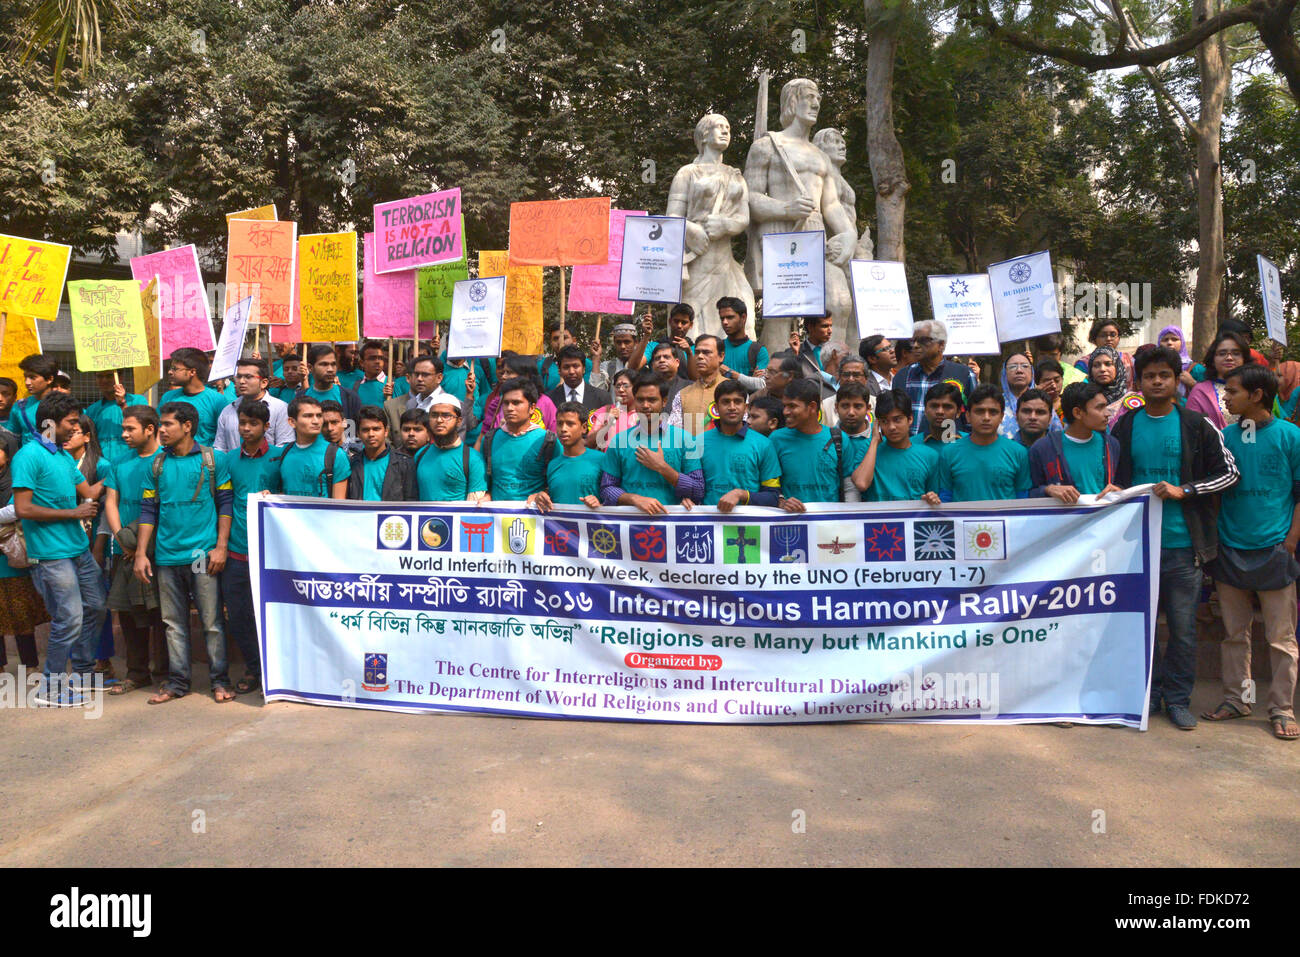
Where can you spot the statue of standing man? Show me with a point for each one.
(792, 188)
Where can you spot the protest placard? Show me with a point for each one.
(31, 276)
(523, 321)
(260, 263)
(433, 290)
(477, 311)
(650, 263)
(560, 232)
(794, 274)
(1024, 297)
(880, 299)
(388, 299)
(327, 286)
(595, 288)
(964, 304)
(419, 231)
(260, 212)
(185, 321)
(233, 330)
(1270, 288)
(147, 375)
(107, 324)
(20, 337)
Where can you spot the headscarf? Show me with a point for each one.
(1182, 344)
(1009, 426)
(1115, 391)
(1288, 375)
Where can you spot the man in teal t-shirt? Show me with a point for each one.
(572, 478)
(652, 464)
(813, 464)
(740, 464)
(984, 466)
(306, 466)
(107, 415)
(46, 489)
(1081, 459)
(903, 470)
(187, 370)
(447, 470)
(517, 453)
(370, 382)
(38, 378)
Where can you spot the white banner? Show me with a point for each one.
(1021, 611)
(233, 329)
(1270, 288)
(1024, 297)
(794, 274)
(478, 308)
(880, 299)
(965, 305)
(651, 268)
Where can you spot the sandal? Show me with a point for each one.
(163, 696)
(222, 694)
(248, 684)
(127, 684)
(1226, 711)
(1284, 727)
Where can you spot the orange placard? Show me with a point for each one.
(260, 263)
(560, 232)
(522, 326)
(261, 212)
(20, 337)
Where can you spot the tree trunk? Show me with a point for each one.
(884, 151)
(1216, 72)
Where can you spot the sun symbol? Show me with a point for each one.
(603, 540)
(981, 540)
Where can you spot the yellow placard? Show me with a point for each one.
(327, 287)
(20, 337)
(261, 212)
(107, 324)
(522, 330)
(31, 276)
(145, 377)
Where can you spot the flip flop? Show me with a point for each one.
(222, 695)
(1226, 711)
(163, 696)
(1283, 723)
(128, 684)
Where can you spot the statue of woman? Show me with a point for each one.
(714, 200)
(839, 296)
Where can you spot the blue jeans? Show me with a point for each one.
(237, 590)
(1180, 588)
(73, 592)
(177, 586)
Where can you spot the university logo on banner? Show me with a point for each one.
(934, 541)
(603, 541)
(374, 672)
(984, 540)
(476, 536)
(561, 538)
(838, 542)
(519, 534)
(647, 543)
(740, 545)
(694, 544)
(885, 541)
(788, 544)
(434, 534)
(393, 531)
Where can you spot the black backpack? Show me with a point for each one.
(208, 465)
(324, 481)
(837, 436)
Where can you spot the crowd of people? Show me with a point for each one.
(140, 509)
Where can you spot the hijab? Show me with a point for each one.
(1115, 391)
(1182, 344)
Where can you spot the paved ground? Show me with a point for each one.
(302, 785)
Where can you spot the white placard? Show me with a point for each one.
(794, 274)
(1270, 287)
(880, 299)
(965, 305)
(233, 328)
(478, 309)
(653, 249)
(1024, 297)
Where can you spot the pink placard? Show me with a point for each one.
(388, 299)
(184, 319)
(419, 231)
(595, 288)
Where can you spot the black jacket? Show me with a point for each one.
(592, 398)
(399, 480)
(1208, 469)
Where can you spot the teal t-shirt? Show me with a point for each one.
(301, 471)
(187, 523)
(855, 450)
(1157, 446)
(631, 476)
(517, 467)
(571, 477)
(373, 472)
(1256, 512)
(349, 380)
(441, 476)
(1086, 462)
(903, 475)
(23, 419)
(736, 358)
(248, 476)
(454, 378)
(808, 464)
(209, 403)
(53, 477)
(284, 394)
(371, 392)
(107, 416)
(401, 386)
(333, 392)
(127, 479)
(977, 473)
(745, 461)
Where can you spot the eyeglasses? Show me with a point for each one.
(883, 350)
(442, 415)
(1228, 354)
(1018, 366)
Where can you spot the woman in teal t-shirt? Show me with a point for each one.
(21, 608)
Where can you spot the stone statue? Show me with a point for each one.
(792, 188)
(831, 142)
(715, 202)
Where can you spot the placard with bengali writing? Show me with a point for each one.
(107, 324)
(260, 264)
(560, 232)
(185, 321)
(522, 330)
